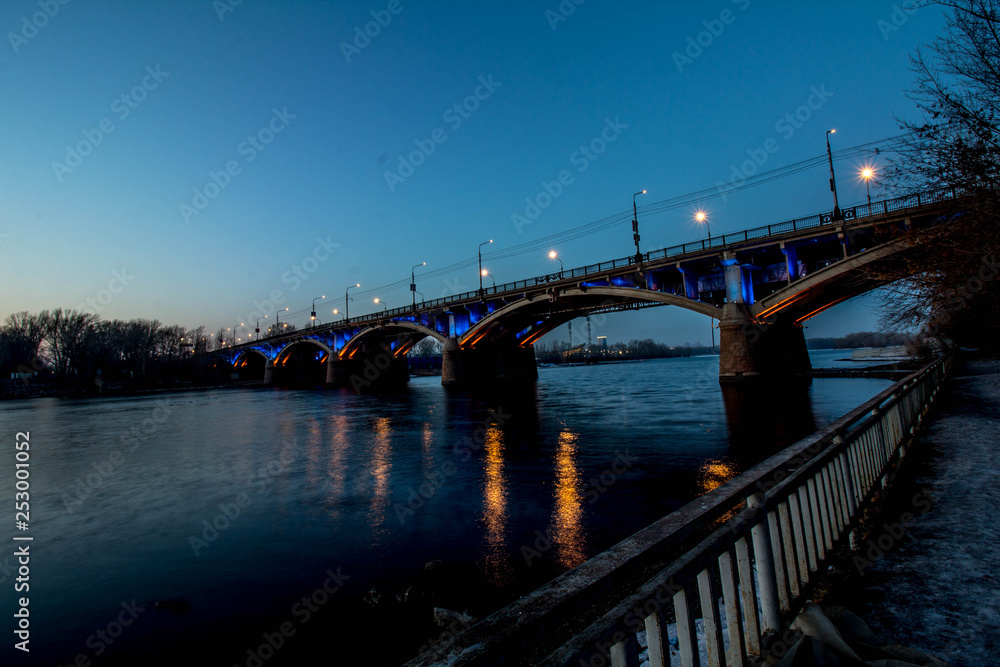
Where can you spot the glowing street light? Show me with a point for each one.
(347, 301)
(257, 330)
(553, 255)
(277, 320)
(481, 274)
(413, 283)
(486, 274)
(702, 217)
(635, 227)
(385, 308)
(312, 317)
(833, 183)
(867, 173)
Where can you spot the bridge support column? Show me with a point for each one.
(750, 350)
(368, 371)
(487, 362)
(268, 372)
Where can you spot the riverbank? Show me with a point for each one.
(925, 575)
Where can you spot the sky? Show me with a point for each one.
(202, 162)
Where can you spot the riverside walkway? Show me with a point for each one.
(942, 581)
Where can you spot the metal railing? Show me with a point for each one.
(884, 207)
(760, 540)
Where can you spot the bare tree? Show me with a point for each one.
(67, 337)
(21, 335)
(947, 283)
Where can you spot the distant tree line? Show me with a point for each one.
(563, 352)
(73, 346)
(860, 339)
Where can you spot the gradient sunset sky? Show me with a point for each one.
(116, 115)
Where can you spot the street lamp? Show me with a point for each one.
(234, 333)
(257, 330)
(312, 317)
(833, 183)
(347, 301)
(486, 274)
(702, 217)
(336, 312)
(867, 173)
(481, 265)
(413, 283)
(553, 255)
(635, 227)
(277, 321)
(385, 308)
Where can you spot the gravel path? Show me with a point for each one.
(942, 587)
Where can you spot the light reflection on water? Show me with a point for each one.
(567, 515)
(328, 473)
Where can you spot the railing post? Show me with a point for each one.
(764, 558)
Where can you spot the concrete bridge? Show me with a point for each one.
(761, 284)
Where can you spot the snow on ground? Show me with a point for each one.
(942, 588)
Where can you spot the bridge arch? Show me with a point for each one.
(374, 334)
(545, 311)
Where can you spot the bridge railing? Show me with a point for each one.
(593, 270)
(751, 549)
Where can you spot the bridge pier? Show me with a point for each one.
(368, 371)
(487, 362)
(748, 349)
(269, 372)
(751, 350)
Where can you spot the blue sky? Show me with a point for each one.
(189, 163)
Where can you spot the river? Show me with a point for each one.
(234, 505)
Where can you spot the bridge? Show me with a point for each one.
(761, 284)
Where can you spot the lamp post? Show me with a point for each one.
(635, 227)
(336, 312)
(486, 274)
(702, 217)
(347, 301)
(867, 174)
(481, 265)
(553, 255)
(234, 333)
(257, 329)
(312, 317)
(833, 183)
(385, 308)
(277, 321)
(413, 283)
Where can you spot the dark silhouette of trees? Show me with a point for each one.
(20, 337)
(949, 285)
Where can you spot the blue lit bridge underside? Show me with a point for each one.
(761, 284)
